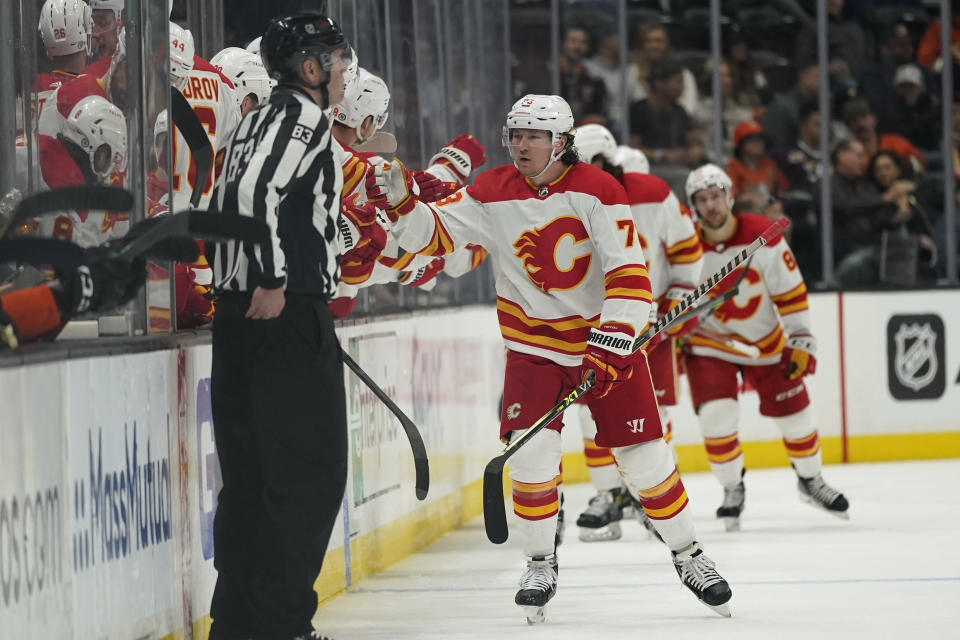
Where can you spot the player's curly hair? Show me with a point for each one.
(570, 154)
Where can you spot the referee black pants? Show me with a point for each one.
(280, 424)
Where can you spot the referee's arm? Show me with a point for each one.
(288, 143)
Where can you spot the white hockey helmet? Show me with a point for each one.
(181, 55)
(543, 113)
(65, 27)
(247, 73)
(631, 160)
(108, 5)
(708, 175)
(99, 128)
(366, 95)
(254, 45)
(592, 140)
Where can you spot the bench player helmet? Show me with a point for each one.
(108, 5)
(543, 113)
(594, 140)
(631, 160)
(290, 39)
(99, 128)
(708, 175)
(247, 73)
(181, 55)
(65, 27)
(366, 95)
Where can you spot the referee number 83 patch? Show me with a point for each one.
(301, 133)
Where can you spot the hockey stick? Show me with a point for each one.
(494, 515)
(194, 224)
(420, 462)
(743, 348)
(169, 237)
(97, 197)
(186, 121)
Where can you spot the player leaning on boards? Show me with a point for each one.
(572, 296)
(277, 382)
(771, 314)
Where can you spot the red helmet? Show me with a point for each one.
(745, 130)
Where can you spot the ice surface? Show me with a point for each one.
(891, 571)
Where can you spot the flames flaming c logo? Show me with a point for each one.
(538, 250)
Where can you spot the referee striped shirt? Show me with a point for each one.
(279, 167)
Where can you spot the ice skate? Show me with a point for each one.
(698, 574)
(537, 585)
(729, 511)
(818, 493)
(600, 521)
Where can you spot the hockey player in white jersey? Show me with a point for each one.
(369, 253)
(674, 259)
(770, 315)
(251, 82)
(572, 293)
(212, 98)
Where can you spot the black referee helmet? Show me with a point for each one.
(290, 39)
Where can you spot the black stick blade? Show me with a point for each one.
(494, 512)
(228, 226)
(39, 251)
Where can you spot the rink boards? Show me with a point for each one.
(108, 474)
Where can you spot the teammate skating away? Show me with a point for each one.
(771, 314)
(674, 259)
(572, 296)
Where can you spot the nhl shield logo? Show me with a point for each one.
(915, 360)
(915, 357)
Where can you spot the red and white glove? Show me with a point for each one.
(389, 187)
(462, 155)
(363, 240)
(431, 188)
(797, 358)
(427, 274)
(341, 306)
(610, 356)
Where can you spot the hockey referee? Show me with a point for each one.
(277, 383)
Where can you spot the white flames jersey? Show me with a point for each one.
(667, 235)
(562, 258)
(211, 96)
(771, 305)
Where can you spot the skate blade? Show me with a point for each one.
(721, 609)
(731, 524)
(535, 615)
(604, 534)
(843, 515)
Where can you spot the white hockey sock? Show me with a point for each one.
(651, 476)
(536, 498)
(718, 424)
(802, 442)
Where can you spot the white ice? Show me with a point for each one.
(891, 571)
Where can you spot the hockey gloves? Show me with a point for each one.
(103, 283)
(610, 356)
(362, 241)
(462, 155)
(431, 188)
(389, 188)
(797, 358)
